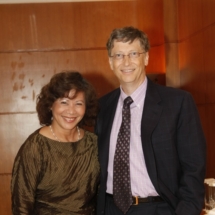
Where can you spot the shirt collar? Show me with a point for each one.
(138, 95)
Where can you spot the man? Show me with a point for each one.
(166, 165)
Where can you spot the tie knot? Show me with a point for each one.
(128, 101)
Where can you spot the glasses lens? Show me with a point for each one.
(134, 54)
(118, 56)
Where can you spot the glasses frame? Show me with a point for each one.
(129, 55)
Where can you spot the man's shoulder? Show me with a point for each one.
(110, 96)
(167, 90)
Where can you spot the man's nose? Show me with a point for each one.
(126, 59)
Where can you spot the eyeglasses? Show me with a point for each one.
(131, 55)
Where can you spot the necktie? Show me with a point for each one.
(121, 170)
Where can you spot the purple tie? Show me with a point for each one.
(121, 170)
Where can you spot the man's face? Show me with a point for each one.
(130, 70)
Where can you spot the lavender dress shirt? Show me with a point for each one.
(141, 184)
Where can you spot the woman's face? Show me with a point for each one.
(67, 113)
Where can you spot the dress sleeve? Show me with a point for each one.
(25, 177)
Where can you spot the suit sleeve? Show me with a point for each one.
(191, 146)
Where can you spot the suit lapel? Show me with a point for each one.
(107, 117)
(151, 113)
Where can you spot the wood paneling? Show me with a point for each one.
(190, 17)
(42, 39)
(192, 73)
(75, 25)
(171, 43)
(5, 199)
(197, 67)
(209, 62)
(15, 128)
(24, 74)
(208, 9)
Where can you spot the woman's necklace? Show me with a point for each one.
(54, 135)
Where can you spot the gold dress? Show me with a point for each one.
(53, 178)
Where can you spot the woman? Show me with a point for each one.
(56, 169)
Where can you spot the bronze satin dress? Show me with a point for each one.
(51, 177)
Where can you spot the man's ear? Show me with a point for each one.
(146, 60)
(111, 62)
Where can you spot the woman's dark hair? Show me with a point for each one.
(127, 34)
(59, 86)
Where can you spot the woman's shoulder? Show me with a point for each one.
(90, 136)
(32, 146)
(35, 139)
(36, 135)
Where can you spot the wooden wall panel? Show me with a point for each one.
(171, 43)
(150, 17)
(155, 65)
(209, 62)
(208, 9)
(190, 17)
(193, 77)
(75, 25)
(15, 128)
(33, 50)
(5, 199)
(197, 67)
(24, 74)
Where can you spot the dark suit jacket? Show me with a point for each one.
(173, 145)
